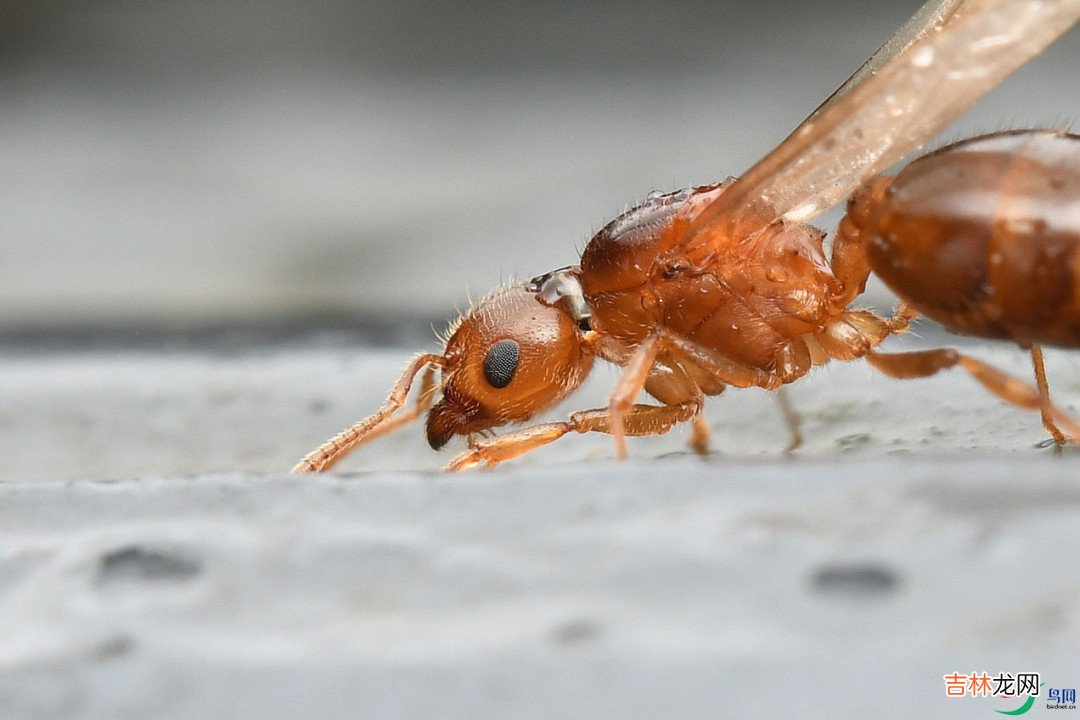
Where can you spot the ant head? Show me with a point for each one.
(517, 352)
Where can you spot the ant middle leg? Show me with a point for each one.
(793, 361)
(791, 419)
(790, 366)
(727, 371)
(699, 436)
(924, 363)
(673, 382)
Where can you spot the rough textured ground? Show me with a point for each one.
(662, 588)
(126, 414)
(155, 562)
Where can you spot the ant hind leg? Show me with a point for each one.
(925, 363)
(1044, 393)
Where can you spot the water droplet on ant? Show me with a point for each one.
(1024, 226)
(893, 106)
(923, 58)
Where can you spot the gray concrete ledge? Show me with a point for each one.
(664, 588)
(155, 563)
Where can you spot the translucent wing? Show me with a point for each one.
(951, 53)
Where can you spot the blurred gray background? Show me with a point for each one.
(190, 164)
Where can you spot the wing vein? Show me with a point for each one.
(950, 54)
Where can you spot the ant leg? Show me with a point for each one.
(901, 318)
(854, 333)
(637, 420)
(699, 437)
(627, 390)
(791, 419)
(329, 453)
(494, 450)
(1044, 393)
(793, 362)
(924, 363)
(726, 370)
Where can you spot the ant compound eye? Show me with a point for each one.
(501, 363)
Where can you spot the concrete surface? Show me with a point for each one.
(155, 562)
(669, 588)
(122, 415)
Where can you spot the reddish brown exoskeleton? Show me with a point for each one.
(983, 236)
(724, 285)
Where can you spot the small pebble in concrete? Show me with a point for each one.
(855, 581)
(573, 632)
(138, 563)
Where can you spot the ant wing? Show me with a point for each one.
(951, 53)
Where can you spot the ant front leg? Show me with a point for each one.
(925, 363)
(638, 420)
(629, 388)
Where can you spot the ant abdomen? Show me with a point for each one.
(982, 235)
